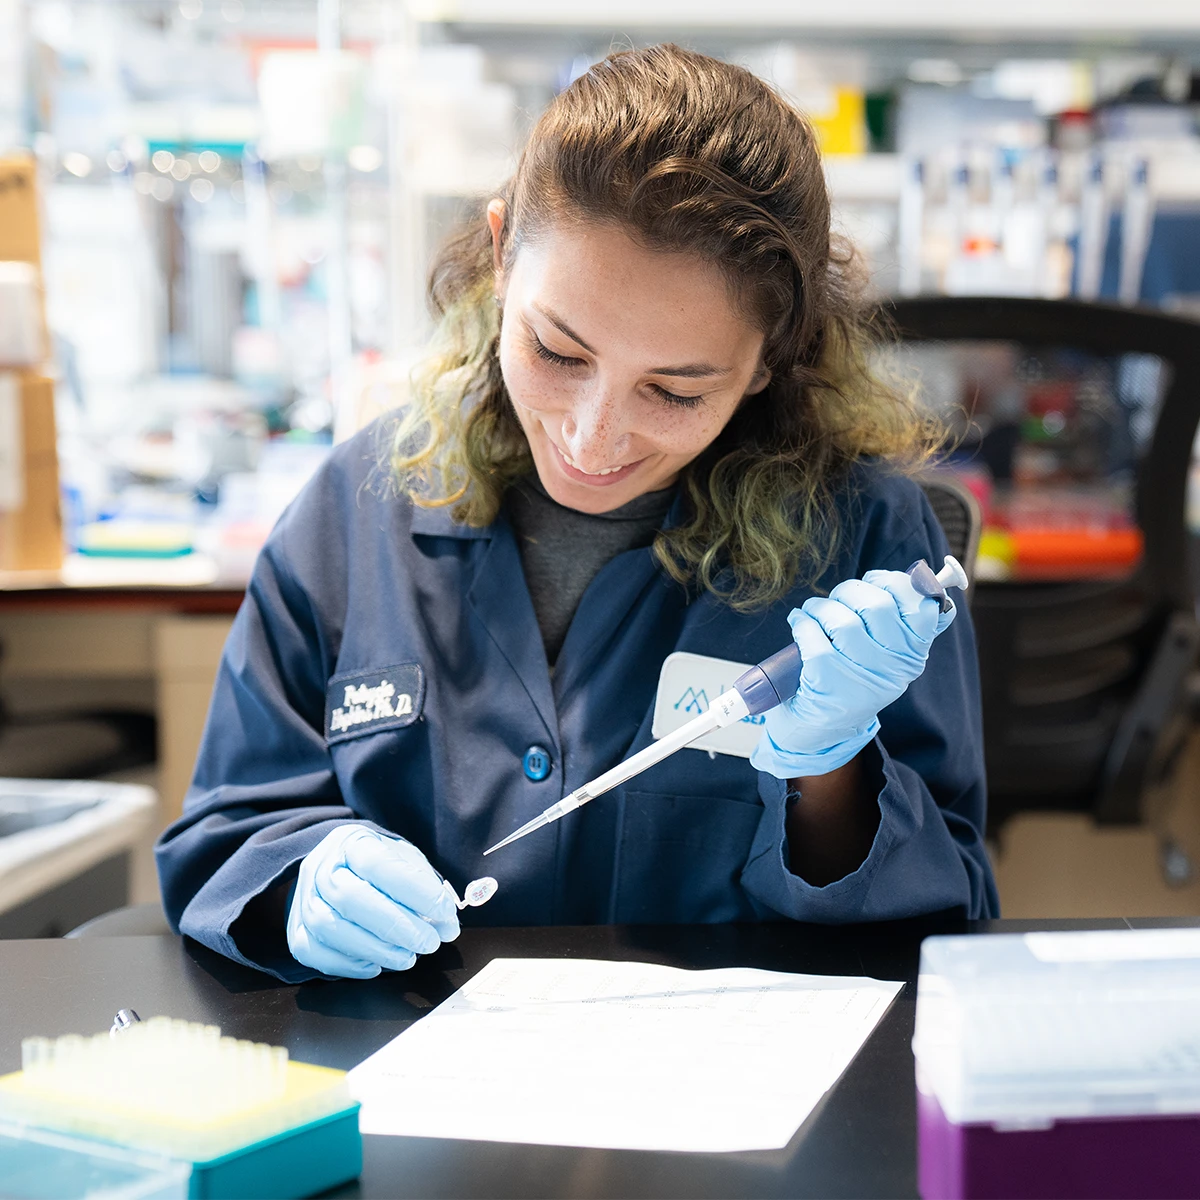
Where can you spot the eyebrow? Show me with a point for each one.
(688, 371)
(562, 326)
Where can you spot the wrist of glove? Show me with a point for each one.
(861, 647)
(364, 903)
(822, 756)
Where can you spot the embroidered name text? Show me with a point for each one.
(363, 704)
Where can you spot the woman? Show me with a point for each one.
(648, 427)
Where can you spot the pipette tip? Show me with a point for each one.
(528, 827)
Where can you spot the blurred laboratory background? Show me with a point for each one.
(215, 222)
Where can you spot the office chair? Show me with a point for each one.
(1084, 683)
(959, 515)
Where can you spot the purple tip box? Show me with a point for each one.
(1059, 1065)
(1100, 1158)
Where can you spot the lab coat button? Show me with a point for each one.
(537, 763)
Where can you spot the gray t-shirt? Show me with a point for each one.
(562, 549)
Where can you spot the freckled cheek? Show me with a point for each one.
(529, 384)
(682, 433)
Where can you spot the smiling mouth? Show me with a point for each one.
(595, 474)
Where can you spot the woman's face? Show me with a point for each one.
(623, 363)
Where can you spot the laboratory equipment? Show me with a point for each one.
(1093, 230)
(126, 1018)
(1051, 250)
(478, 891)
(1059, 1064)
(759, 689)
(37, 1165)
(862, 646)
(1137, 227)
(910, 227)
(248, 1120)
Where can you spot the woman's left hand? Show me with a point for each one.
(861, 648)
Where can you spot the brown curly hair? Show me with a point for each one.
(689, 154)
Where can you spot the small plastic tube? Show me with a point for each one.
(35, 1053)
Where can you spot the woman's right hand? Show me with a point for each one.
(861, 647)
(365, 903)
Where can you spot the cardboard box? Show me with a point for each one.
(30, 520)
(20, 235)
(22, 338)
(31, 534)
(187, 653)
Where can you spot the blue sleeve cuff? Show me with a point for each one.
(920, 861)
(272, 862)
(769, 878)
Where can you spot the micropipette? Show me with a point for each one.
(757, 690)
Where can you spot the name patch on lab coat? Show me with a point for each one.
(686, 685)
(370, 701)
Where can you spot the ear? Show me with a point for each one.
(496, 212)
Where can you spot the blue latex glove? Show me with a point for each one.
(365, 903)
(862, 646)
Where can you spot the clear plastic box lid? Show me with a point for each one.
(1019, 1030)
(37, 1164)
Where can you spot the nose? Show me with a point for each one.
(594, 430)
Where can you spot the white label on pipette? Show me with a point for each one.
(687, 685)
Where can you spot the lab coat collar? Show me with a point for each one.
(506, 611)
(440, 522)
(678, 510)
(500, 600)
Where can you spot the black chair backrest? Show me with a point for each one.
(1161, 486)
(958, 514)
(1085, 682)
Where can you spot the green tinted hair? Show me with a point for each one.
(692, 155)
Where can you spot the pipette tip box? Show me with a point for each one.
(1059, 1065)
(39, 1165)
(249, 1121)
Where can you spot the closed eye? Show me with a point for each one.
(561, 360)
(675, 398)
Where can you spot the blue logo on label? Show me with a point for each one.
(694, 701)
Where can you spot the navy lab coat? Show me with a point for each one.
(386, 667)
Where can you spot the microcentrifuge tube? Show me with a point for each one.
(479, 891)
